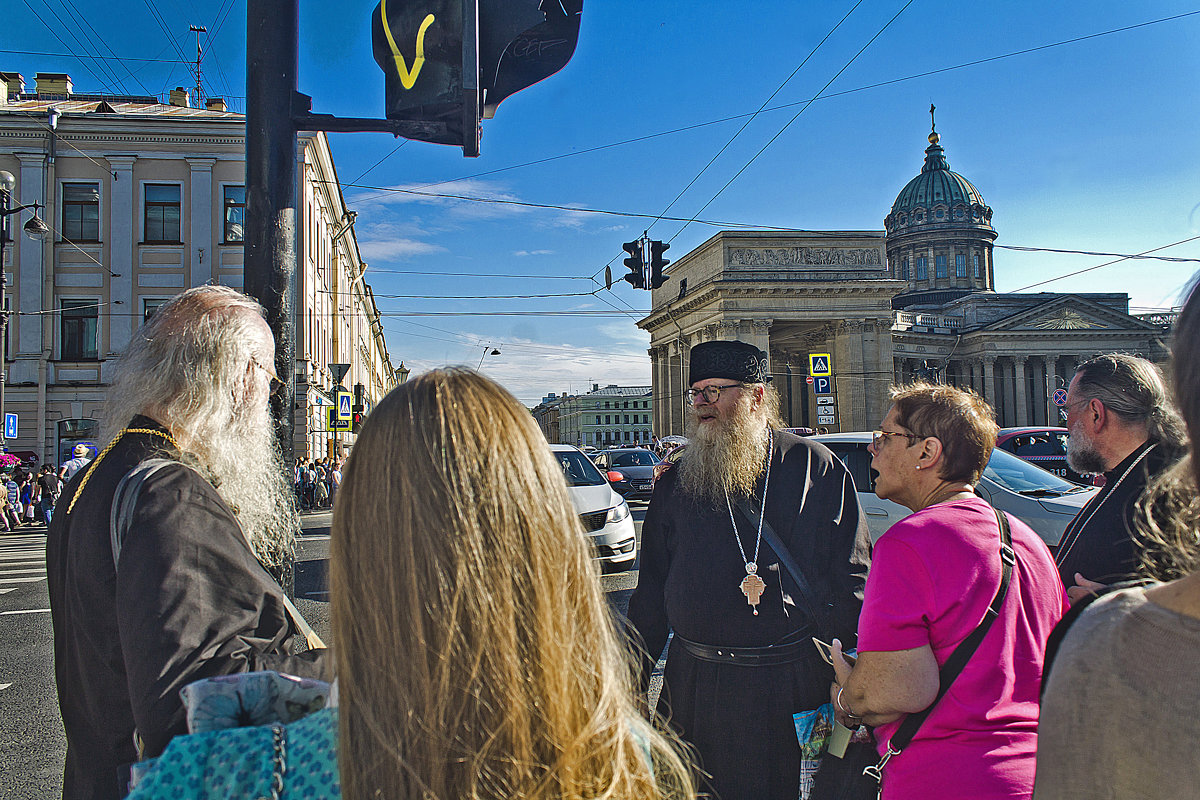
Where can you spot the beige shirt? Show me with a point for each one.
(1121, 713)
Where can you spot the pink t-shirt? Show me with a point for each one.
(933, 575)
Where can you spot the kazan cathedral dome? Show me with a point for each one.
(939, 235)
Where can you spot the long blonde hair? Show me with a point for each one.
(476, 655)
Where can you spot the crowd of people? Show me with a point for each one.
(475, 656)
(317, 482)
(30, 495)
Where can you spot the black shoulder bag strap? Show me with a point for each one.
(961, 655)
(816, 610)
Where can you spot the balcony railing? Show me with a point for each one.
(908, 320)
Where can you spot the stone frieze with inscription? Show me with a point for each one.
(804, 256)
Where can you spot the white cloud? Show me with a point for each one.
(395, 249)
(533, 252)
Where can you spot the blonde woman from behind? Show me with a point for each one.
(476, 656)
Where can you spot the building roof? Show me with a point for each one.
(937, 184)
(118, 105)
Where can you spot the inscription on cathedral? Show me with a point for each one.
(805, 257)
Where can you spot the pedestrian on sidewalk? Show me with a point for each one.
(173, 580)
(476, 654)
(49, 487)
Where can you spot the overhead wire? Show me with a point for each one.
(804, 108)
(1106, 264)
(82, 60)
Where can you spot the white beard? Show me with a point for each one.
(725, 457)
(245, 466)
(1082, 455)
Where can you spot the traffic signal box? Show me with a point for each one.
(637, 266)
(657, 262)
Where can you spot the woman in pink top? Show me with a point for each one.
(933, 576)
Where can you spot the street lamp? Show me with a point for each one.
(35, 228)
(495, 352)
(402, 373)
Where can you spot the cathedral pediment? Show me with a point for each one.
(1068, 313)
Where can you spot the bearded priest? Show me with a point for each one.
(741, 661)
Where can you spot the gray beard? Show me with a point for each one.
(724, 457)
(244, 464)
(1082, 455)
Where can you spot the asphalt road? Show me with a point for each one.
(32, 744)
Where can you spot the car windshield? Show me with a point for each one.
(578, 470)
(1022, 477)
(634, 458)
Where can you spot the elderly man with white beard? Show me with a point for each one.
(173, 584)
(741, 662)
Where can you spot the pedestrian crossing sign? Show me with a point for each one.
(820, 364)
(344, 412)
(336, 424)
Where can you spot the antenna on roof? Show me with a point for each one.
(198, 29)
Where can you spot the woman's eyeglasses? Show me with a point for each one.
(878, 437)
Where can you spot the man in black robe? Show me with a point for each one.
(741, 662)
(1121, 423)
(181, 591)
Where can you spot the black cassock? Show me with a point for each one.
(739, 718)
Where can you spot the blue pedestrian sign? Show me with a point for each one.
(10, 426)
(343, 406)
(823, 384)
(820, 364)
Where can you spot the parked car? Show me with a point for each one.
(630, 472)
(603, 512)
(1046, 447)
(670, 458)
(1043, 501)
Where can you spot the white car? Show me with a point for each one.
(1043, 501)
(603, 512)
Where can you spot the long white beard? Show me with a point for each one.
(245, 466)
(727, 456)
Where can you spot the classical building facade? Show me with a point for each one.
(145, 199)
(882, 307)
(607, 417)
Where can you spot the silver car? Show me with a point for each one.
(603, 512)
(1043, 501)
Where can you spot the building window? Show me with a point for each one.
(149, 306)
(163, 214)
(235, 213)
(608, 419)
(597, 419)
(81, 212)
(975, 263)
(904, 274)
(78, 331)
(940, 266)
(922, 269)
(627, 436)
(626, 419)
(960, 265)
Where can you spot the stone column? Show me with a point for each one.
(200, 260)
(1051, 386)
(122, 219)
(989, 379)
(1021, 399)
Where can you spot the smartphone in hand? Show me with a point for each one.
(826, 651)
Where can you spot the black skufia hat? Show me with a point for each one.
(737, 361)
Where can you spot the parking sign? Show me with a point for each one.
(823, 385)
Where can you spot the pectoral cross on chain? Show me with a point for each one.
(753, 587)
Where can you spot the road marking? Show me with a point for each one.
(28, 611)
(4, 686)
(314, 594)
(40, 568)
(9, 589)
(22, 580)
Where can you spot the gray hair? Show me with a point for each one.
(187, 364)
(1132, 388)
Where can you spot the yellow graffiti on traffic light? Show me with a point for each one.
(407, 79)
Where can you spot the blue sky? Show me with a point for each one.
(1088, 145)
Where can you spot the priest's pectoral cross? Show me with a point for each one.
(753, 587)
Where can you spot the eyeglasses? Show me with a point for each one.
(878, 437)
(1066, 407)
(710, 393)
(276, 383)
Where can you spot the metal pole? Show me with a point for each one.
(272, 30)
(4, 215)
(270, 250)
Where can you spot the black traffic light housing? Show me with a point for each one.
(637, 266)
(657, 262)
(358, 408)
